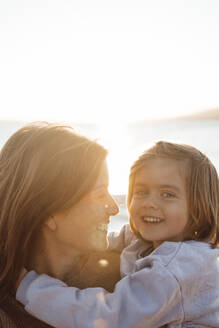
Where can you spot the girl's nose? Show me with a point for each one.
(150, 202)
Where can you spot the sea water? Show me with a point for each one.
(134, 138)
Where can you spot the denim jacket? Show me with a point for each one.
(177, 285)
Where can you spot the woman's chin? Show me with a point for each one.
(99, 241)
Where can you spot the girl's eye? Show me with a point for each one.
(167, 194)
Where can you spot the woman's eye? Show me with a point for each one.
(140, 192)
(167, 194)
(101, 196)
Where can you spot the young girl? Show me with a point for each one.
(169, 261)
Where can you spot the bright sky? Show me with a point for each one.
(107, 60)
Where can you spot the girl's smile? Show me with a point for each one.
(150, 219)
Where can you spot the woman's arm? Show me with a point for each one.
(148, 298)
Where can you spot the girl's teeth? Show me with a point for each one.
(152, 220)
(102, 227)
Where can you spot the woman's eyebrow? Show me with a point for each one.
(103, 186)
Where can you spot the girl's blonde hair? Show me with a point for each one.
(44, 168)
(202, 188)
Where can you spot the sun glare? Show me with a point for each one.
(115, 138)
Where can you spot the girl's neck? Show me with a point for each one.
(157, 244)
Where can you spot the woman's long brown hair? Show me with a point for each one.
(44, 168)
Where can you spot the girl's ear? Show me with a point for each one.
(51, 223)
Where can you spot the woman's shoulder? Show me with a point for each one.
(5, 320)
(13, 315)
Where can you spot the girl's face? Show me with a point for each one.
(159, 208)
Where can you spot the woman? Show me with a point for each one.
(55, 208)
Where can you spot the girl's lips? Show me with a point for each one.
(152, 219)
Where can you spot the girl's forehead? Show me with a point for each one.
(162, 168)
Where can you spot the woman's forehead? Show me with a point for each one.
(103, 177)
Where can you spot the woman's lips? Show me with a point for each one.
(102, 227)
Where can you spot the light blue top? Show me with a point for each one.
(177, 285)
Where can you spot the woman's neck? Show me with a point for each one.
(56, 262)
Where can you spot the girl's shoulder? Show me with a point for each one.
(119, 240)
(188, 256)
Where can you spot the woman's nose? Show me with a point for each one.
(112, 207)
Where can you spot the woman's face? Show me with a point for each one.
(84, 226)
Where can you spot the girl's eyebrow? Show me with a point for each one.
(168, 186)
(171, 186)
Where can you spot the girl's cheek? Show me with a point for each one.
(133, 209)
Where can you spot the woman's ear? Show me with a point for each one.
(51, 223)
